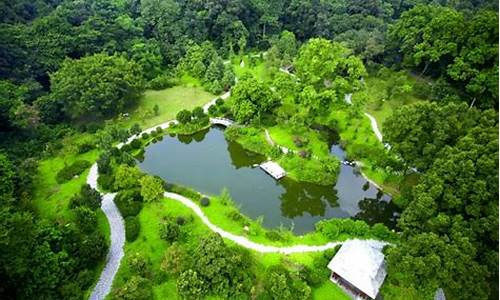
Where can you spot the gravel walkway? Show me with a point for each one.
(373, 121)
(244, 242)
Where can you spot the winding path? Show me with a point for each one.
(117, 227)
(375, 129)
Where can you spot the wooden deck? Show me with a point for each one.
(273, 169)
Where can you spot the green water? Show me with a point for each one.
(208, 163)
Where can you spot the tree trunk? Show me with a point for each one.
(472, 103)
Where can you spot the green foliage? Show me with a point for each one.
(126, 177)
(85, 219)
(88, 197)
(68, 172)
(326, 64)
(283, 284)
(98, 84)
(129, 202)
(175, 260)
(190, 285)
(170, 230)
(417, 132)
(184, 191)
(224, 271)
(184, 116)
(136, 288)
(151, 188)
(205, 201)
(336, 228)
(132, 228)
(251, 99)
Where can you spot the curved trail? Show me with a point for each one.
(117, 227)
(244, 242)
(375, 129)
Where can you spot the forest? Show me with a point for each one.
(79, 77)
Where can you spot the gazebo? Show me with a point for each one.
(359, 268)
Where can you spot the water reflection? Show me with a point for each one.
(208, 163)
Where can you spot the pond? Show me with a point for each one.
(208, 163)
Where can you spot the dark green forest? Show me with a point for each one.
(66, 66)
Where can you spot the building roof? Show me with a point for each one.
(361, 263)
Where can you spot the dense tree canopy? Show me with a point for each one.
(252, 98)
(98, 84)
(451, 221)
(326, 64)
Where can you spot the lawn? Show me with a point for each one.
(284, 135)
(375, 96)
(169, 101)
(254, 66)
(329, 290)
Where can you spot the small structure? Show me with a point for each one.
(221, 121)
(273, 169)
(359, 268)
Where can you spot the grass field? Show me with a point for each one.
(283, 135)
(169, 101)
(257, 69)
(375, 96)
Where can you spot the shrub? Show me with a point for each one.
(205, 201)
(159, 130)
(184, 191)
(135, 129)
(212, 110)
(180, 220)
(68, 172)
(184, 116)
(135, 144)
(139, 265)
(106, 181)
(136, 288)
(132, 228)
(219, 102)
(145, 136)
(85, 219)
(126, 177)
(104, 163)
(169, 230)
(161, 82)
(87, 197)
(273, 235)
(198, 113)
(129, 202)
(86, 147)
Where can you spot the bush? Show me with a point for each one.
(85, 219)
(184, 116)
(145, 136)
(159, 130)
(132, 228)
(219, 102)
(161, 82)
(135, 144)
(205, 201)
(87, 197)
(170, 231)
(139, 265)
(273, 235)
(129, 202)
(68, 172)
(85, 147)
(106, 181)
(180, 220)
(136, 288)
(184, 191)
